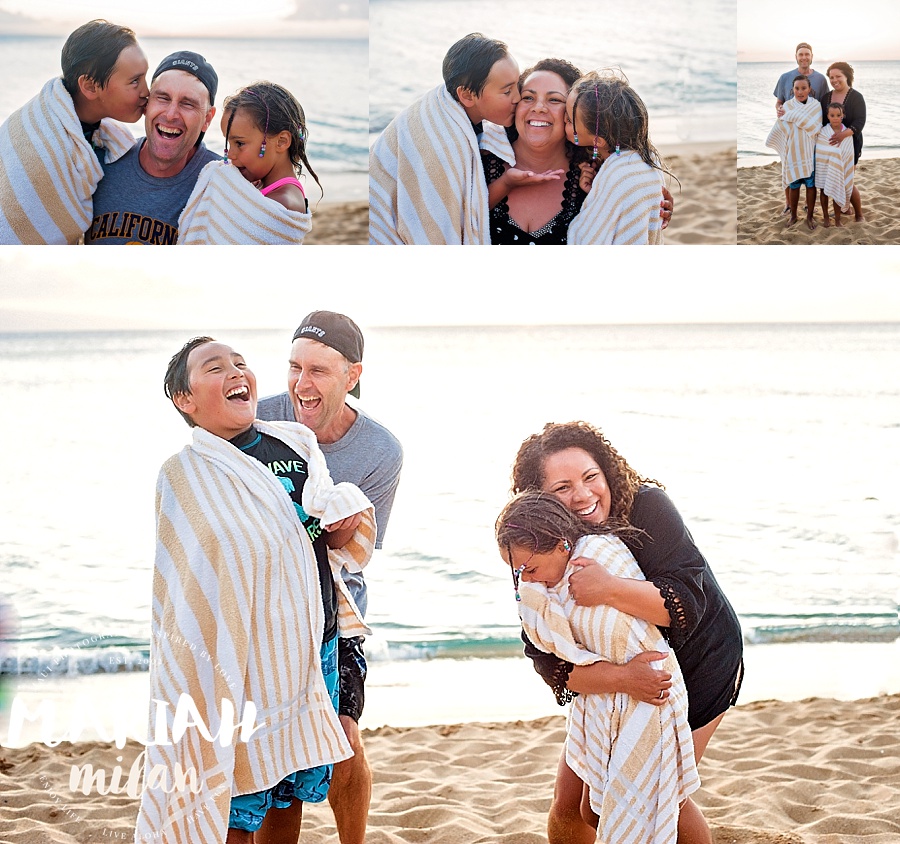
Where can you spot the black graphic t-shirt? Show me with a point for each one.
(292, 471)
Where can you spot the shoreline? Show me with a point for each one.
(419, 693)
(817, 771)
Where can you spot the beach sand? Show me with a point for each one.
(761, 200)
(339, 223)
(818, 771)
(704, 205)
(706, 202)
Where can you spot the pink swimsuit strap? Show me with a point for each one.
(287, 180)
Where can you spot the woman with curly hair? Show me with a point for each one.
(577, 464)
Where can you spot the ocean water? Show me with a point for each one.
(876, 81)
(780, 444)
(683, 65)
(328, 77)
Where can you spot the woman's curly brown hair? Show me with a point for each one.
(622, 480)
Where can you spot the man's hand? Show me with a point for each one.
(667, 207)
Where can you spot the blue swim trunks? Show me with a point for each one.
(809, 181)
(311, 785)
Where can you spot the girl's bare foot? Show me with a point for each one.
(791, 221)
(811, 224)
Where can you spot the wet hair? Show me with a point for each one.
(274, 109)
(616, 113)
(801, 45)
(801, 78)
(537, 521)
(92, 50)
(178, 380)
(469, 61)
(623, 481)
(837, 106)
(844, 68)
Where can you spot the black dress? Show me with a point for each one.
(504, 231)
(854, 117)
(705, 633)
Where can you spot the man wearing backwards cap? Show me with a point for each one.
(142, 195)
(324, 367)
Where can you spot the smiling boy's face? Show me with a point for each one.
(497, 102)
(801, 90)
(222, 399)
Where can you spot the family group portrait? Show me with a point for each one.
(112, 135)
(831, 105)
(541, 125)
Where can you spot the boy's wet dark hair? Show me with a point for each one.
(274, 109)
(178, 380)
(837, 107)
(92, 50)
(801, 78)
(469, 61)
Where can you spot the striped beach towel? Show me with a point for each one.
(426, 182)
(793, 137)
(623, 205)
(834, 167)
(48, 171)
(636, 759)
(237, 617)
(224, 208)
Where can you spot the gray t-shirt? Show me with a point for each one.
(368, 455)
(131, 206)
(784, 90)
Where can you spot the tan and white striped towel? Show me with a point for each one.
(636, 759)
(834, 167)
(225, 209)
(623, 205)
(237, 617)
(48, 171)
(793, 137)
(426, 182)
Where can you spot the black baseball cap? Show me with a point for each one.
(337, 331)
(192, 63)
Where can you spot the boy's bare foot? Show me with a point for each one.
(811, 224)
(839, 223)
(860, 218)
(791, 221)
(826, 223)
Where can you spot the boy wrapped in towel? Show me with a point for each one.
(238, 610)
(426, 181)
(637, 759)
(51, 149)
(224, 208)
(793, 137)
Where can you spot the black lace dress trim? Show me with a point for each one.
(505, 232)
(558, 683)
(678, 629)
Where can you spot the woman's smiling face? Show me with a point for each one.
(541, 113)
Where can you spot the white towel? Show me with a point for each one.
(237, 615)
(426, 182)
(224, 208)
(623, 205)
(636, 759)
(834, 167)
(793, 137)
(48, 171)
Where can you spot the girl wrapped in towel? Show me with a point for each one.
(636, 759)
(254, 196)
(604, 113)
(793, 137)
(834, 166)
(52, 149)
